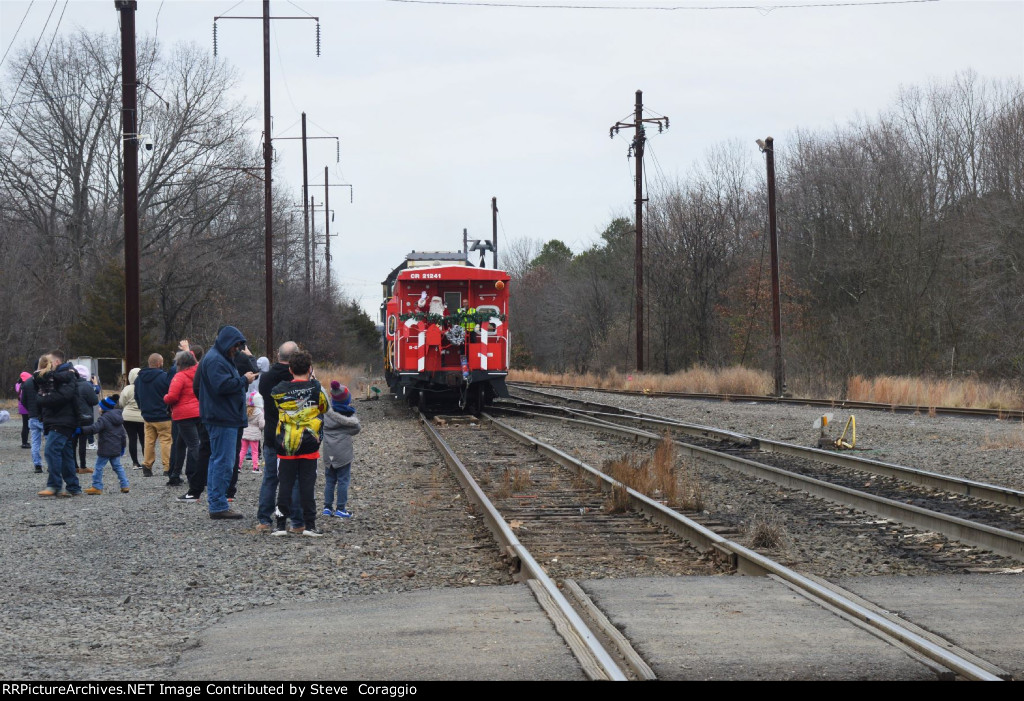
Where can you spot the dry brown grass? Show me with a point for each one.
(935, 392)
(357, 379)
(919, 391)
(735, 380)
(659, 477)
(767, 531)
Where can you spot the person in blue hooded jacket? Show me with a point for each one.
(222, 411)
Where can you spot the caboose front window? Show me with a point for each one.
(452, 301)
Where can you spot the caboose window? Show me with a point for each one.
(452, 301)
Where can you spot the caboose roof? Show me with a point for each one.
(451, 272)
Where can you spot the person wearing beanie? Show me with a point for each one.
(111, 440)
(22, 409)
(340, 424)
(87, 399)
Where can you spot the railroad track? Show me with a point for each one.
(992, 504)
(586, 639)
(1017, 414)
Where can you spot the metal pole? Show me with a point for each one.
(130, 146)
(638, 152)
(465, 243)
(494, 232)
(780, 378)
(305, 201)
(327, 230)
(268, 237)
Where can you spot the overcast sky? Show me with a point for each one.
(440, 107)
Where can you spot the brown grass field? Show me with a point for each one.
(920, 391)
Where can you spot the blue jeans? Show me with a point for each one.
(60, 462)
(336, 477)
(222, 463)
(97, 475)
(35, 428)
(268, 490)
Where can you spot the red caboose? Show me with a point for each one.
(446, 331)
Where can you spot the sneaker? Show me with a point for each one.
(70, 494)
(342, 513)
(147, 472)
(124, 490)
(48, 492)
(279, 531)
(296, 530)
(327, 512)
(25, 445)
(91, 446)
(188, 498)
(174, 482)
(256, 470)
(226, 514)
(39, 469)
(136, 467)
(94, 491)
(313, 533)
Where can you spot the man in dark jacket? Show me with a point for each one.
(56, 390)
(278, 373)
(222, 410)
(151, 385)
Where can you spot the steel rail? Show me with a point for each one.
(979, 535)
(595, 659)
(1016, 414)
(934, 480)
(752, 562)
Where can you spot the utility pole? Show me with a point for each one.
(268, 157)
(312, 238)
(637, 149)
(329, 213)
(768, 149)
(308, 254)
(465, 244)
(494, 232)
(130, 149)
(305, 194)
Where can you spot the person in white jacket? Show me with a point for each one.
(134, 424)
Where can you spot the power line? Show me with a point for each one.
(16, 32)
(763, 9)
(28, 61)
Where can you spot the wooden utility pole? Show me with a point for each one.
(327, 230)
(637, 150)
(768, 148)
(305, 201)
(130, 150)
(268, 158)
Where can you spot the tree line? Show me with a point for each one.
(901, 245)
(200, 212)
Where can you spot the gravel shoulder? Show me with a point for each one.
(126, 582)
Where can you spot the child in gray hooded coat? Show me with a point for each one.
(340, 424)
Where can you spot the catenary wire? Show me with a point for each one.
(763, 9)
(16, 32)
(28, 63)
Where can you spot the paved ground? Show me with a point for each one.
(983, 614)
(686, 628)
(492, 633)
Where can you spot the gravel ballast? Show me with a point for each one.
(117, 586)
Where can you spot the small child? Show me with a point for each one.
(111, 440)
(252, 435)
(340, 424)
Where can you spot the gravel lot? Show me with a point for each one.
(127, 581)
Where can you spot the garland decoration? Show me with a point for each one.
(459, 318)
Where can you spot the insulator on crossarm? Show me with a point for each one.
(215, 39)
(318, 40)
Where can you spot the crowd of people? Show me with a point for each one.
(207, 413)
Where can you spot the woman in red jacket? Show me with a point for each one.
(184, 417)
